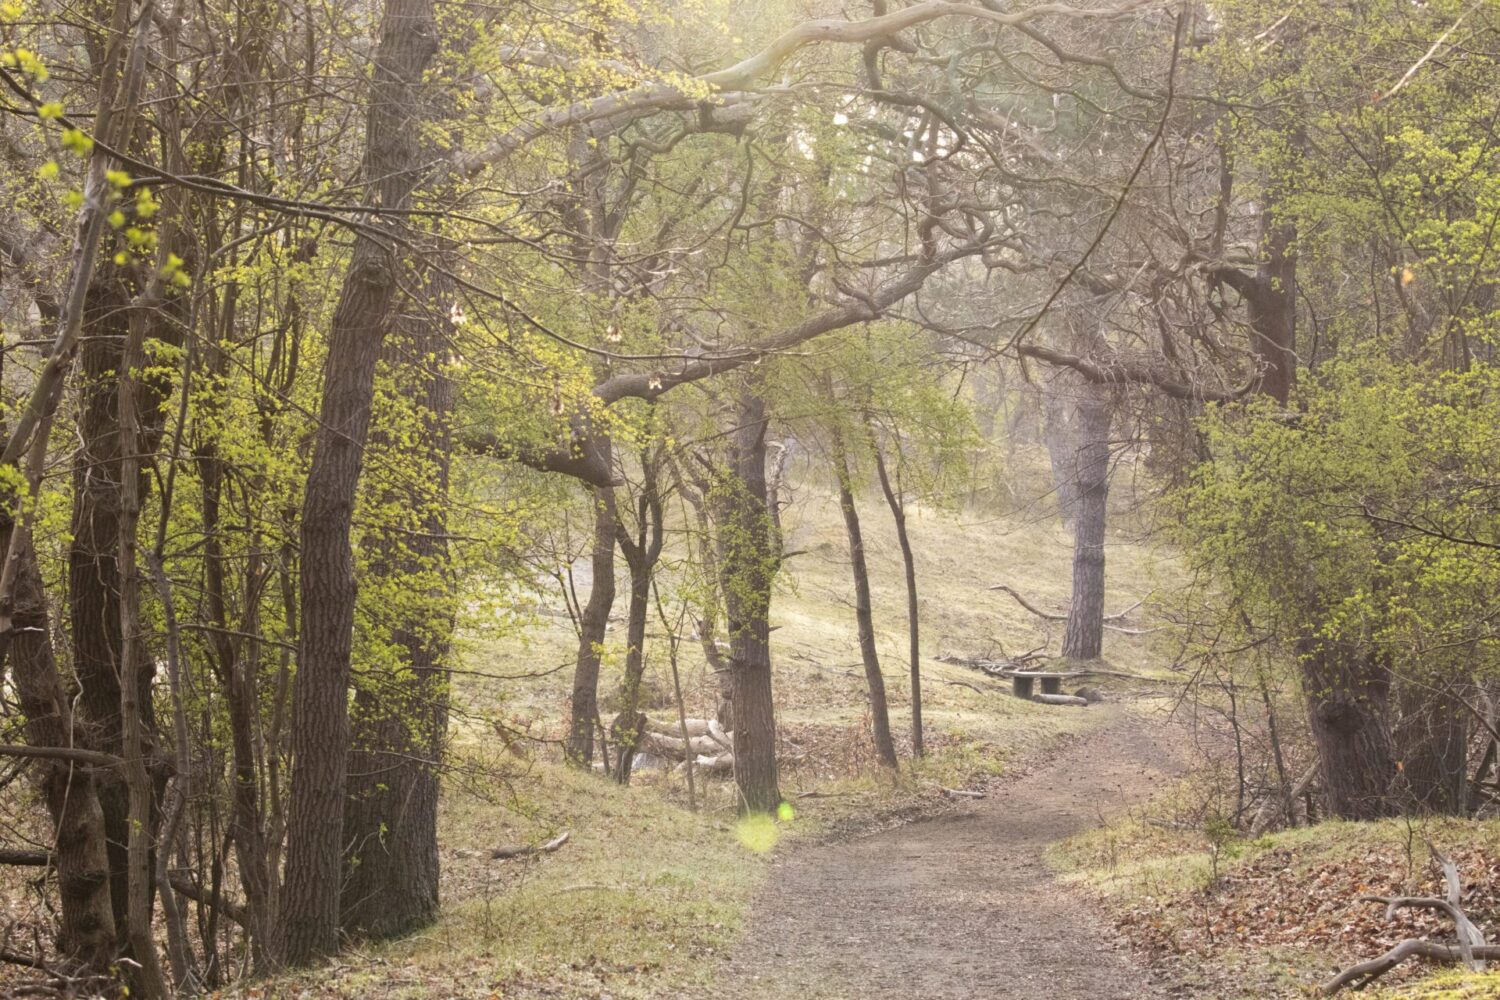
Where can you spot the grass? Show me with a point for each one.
(646, 895)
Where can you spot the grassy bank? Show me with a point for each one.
(1275, 916)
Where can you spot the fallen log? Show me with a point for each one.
(711, 763)
(529, 850)
(674, 746)
(961, 793)
(1061, 699)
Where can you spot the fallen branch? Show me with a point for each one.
(1023, 602)
(24, 859)
(1063, 616)
(529, 850)
(19, 958)
(1361, 975)
(1471, 948)
(185, 887)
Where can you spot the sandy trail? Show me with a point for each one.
(962, 905)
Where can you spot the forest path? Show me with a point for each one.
(963, 905)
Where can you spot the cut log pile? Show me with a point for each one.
(708, 745)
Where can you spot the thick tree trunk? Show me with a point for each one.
(880, 721)
(1270, 296)
(320, 733)
(1273, 310)
(1083, 637)
(1348, 696)
(400, 723)
(1432, 743)
(749, 556)
(584, 711)
(87, 931)
(897, 504)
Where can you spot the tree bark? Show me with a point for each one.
(1348, 696)
(1432, 742)
(94, 583)
(320, 734)
(137, 716)
(584, 712)
(880, 721)
(1083, 636)
(87, 932)
(641, 554)
(897, 504)
(400, 724)
(749, 556)
(1270, 296)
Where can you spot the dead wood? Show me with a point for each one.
(1471, 947)
(1063, 616)
(1023, 602)
(189, 889)
(27, 859)
(961, 793)
(1364, 973)
(530, 850)
(1275, 804)
(1061, 699)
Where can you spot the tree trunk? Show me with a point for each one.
(584, 711)
(641, 555)
(1272, 310)
(236, 675)
(400, 723)
(87, 931)
(897, 504)
(1270, 296)
(864, 622)
(1348, 696)
(749, 556)
(94, 584)
(1432, 743)
(137, 716)
(320, 734)
(1083, 637)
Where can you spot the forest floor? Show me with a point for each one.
(964, 904)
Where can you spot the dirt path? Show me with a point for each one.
(963, 905)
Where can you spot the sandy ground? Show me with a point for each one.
(962, 905)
